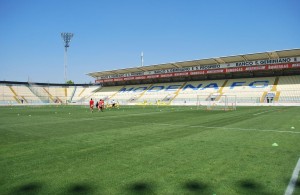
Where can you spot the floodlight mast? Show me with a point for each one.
(67, 39)
(142, 59)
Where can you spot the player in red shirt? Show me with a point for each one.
(101, 105)
(92, 105)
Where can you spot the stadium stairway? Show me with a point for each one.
(277, 95)
(138, 97)
(110, 97)
(91, 93)
(26, 101)
(274, 89)
(50, 96)
(263, 97)
(66, 93)
(220, 91)
(15, 94)
(81, 92)
(178, 91)
(73, 93)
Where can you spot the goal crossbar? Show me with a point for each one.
(216, 102)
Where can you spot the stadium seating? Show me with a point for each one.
(7, 96)
(289, 88)
(57, 93)
(194, 89)
(282, 89)
(25, 94)
(160, 93)
(246, 90)
(249, 90)
(83, 93)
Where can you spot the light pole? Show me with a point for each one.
(67, 39)
(142, 59)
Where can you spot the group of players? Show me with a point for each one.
(100, 105)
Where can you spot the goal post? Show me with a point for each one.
(216, 102)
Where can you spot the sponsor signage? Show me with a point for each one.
(165, 75)
(279, 66)
(242, 67)
(128, 78)
(140, 77)
(118, 79)
(295, 65)
(197, 72)
(152, 76)
(215, 71)
(181, 74)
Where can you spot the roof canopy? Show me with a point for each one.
(209, 61)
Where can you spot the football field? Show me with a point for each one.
(148, 150)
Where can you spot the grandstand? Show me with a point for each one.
(26, 93)
(255, 91)
(269, 78)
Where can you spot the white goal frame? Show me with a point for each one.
(216, 102)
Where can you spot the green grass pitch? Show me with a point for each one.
(151, 150)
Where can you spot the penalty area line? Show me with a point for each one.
(292, 184)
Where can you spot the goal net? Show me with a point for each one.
(216, 102)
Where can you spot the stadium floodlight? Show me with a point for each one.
(67, 39)
(142, 59)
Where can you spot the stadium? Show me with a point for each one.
(224, 125)
(269, 78)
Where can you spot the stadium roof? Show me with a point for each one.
(209, 61)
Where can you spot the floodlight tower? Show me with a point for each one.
(67, 39)
(142, 59)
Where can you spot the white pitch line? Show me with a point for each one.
(166, 124)
(261, 113)
(211, 127)
(290, 189)
(81, 119)
(265, 112)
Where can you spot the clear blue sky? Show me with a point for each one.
(111, 34)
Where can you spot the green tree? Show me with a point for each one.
(69, 82)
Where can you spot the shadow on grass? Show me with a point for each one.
(141, 188)
(196, 187)
(249, 186)
(80, 189)
(27, 189)
(298, 183)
